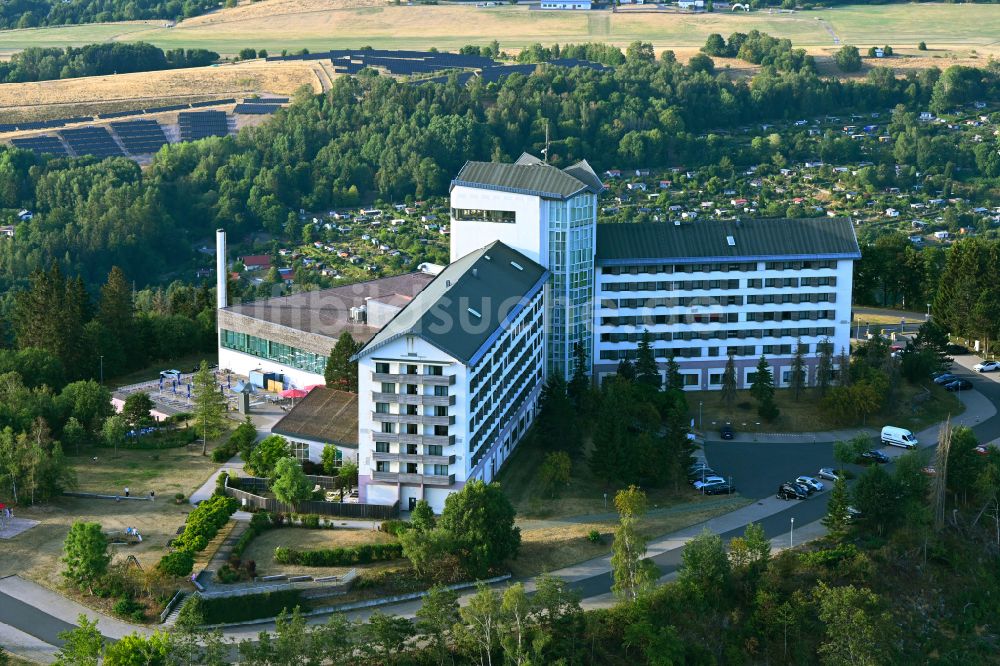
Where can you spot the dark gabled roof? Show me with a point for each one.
(325, 415)
(689, 242)
(529, 175)
(467, 303)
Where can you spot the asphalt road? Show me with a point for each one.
(31, 620)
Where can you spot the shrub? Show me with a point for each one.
(250, 607)
(178, 563)
(128, 608)
(227, 574)
(310, 521)
(204, 523)
(848, 59)
(395, 527)
(922, 46)
(335, 557)
(179, 497)
(192, 612)
(594, 536)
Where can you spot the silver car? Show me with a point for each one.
(810, 482)
(829, 473)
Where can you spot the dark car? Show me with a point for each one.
(719, 489)
(787, 491)
(874, 456)
(727, 432)
(946, 378)
(958, 385)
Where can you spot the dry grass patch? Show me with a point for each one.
(35, 554)
(147, 89)
(261, 549)
(551, 548)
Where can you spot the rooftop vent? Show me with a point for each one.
(517, 265)
(475, 313)
(731, 241)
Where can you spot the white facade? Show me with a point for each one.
(242, 364)
(429, 423)
(559, 234)
(699, 311)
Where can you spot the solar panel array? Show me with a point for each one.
(495, 74)
(140, 137)
(256, 109)
(200, 124)
(41, 145)
(94, 141)
(212, 102)
(43, 124)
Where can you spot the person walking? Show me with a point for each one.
(126, 491)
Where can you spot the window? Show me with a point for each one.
(411, 468)
(441, 391)
(480, 215)
(381, 408)
(440, 410)
(440, 470)
(435, 450)
(388, 387)
(300, 450)
(411, 449)
(273, 351)
(411, 369)
(433, 370)
(380, 447)
(411, 429)
(381, 466)
(690, 378)
(715, 378)
(440, 431)
(411, 389)
(382, 368)
(387, 427)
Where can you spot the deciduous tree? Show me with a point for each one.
(290, 484)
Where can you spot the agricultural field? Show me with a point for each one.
(295, 24)
(125, 92)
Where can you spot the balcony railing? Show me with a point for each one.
(404, 477)
(407, 438)
(419, 419)
(428, 380)
(414, 458)
(414, 399)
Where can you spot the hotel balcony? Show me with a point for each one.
(403, 477)
(419, 419)
(427, 380)
(414, 399)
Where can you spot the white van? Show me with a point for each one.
(898, 437)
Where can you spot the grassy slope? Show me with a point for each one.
(515, 26)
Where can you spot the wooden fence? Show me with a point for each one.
(254, 502)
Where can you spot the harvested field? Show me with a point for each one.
(323, 24)
(121, 92)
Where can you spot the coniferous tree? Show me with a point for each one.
(579, 384)
(798, 378)
(729, 382)
(557, 423)
(209, 405)
(611, 458)
(762, 389)
(645, 365)
(837, 516)
(341, 372)
(626, 370)
(843, 368)
(116, 312)
(824, 369)
(674, 381)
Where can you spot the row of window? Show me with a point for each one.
(412, 389)
(412, 468)
(273, 351)
(671, 336)
(385, 368)
(781, 315)
(725, 267)
(710, 352)
(767, 299)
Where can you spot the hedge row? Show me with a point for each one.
(336, 557)
(204, 523)
(199, 610)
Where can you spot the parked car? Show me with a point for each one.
(727, 432)
(874, 456)
(898, 437)
(929, 470)
(699, 484)
(829, 473)
(852, 513)
(699, 474)
(810, 482)
(947, 377)
(958, 385)
(719, 489)
(787, 491)
(986, 366)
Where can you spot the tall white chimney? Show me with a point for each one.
(220, 268)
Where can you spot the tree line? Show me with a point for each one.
(36, 13)
(44, 64)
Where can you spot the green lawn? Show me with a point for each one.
(961, 25)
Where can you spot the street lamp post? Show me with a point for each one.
(857, 336)
(102, 371)
(791, 535)
(928, 315)
(700, 403)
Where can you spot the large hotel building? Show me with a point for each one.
(454, 359)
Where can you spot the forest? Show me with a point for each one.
(390, 140)
(44, 64)
(36, 13)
